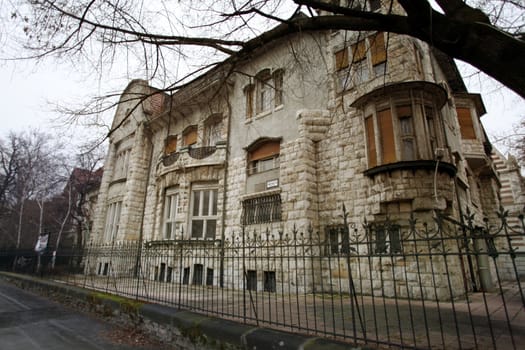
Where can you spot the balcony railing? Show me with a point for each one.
(201, 152)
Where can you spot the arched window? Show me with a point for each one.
(266, 94)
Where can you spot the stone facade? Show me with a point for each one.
(296, 132)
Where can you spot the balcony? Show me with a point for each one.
(190, 157)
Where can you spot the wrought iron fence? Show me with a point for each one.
(445, 284)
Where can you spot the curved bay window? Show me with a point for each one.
(402, 127)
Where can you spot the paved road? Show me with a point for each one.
(28, 322)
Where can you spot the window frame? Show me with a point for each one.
(113, 214)
(270, 150)
(206, 218)
(265, 94)
(170, 213)
(212, 130)
(361, 61)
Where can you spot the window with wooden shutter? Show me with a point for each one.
(171, 144)
(466, 123)
(341, 59)
(264, 157)
(386, 132)
(371, 141)
(359, 51)
(377, 48)
(189, 136)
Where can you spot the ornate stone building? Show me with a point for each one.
(284, 136)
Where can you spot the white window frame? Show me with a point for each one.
(208, 217)
(112, 221)
(171, 210)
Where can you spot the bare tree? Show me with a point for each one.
(155, 35)
(31, 173)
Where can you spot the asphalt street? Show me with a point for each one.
(28, 321)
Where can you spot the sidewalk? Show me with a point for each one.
(484, 321)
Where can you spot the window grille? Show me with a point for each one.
(262, 209)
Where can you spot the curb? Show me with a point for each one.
(186, 328)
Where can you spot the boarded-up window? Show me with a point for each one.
(359, 51)
(377, 48)
(189, 136)
(171, 144)
(465, 123)
(386, 132)
(341, 59)
(371, 141)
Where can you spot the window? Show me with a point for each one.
(269, 281)
(406, 128)
(251, 280)
(431, 126)
(338, 240)
(209, 277)
(392, 136)
(112, 221)
(385, 239)
(170, 145)
(466, 124)
(171, 204)
(261, 209)
(121, 164)
(374, 5)
(212, 130)
(268, 92)
(264, 157)
(248, 96)
(198, 271)
(203, 212)
(367, 59)
(189, 136)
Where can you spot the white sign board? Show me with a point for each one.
(41, 243)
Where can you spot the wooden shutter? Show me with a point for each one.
(359, 51)
(190, 136)
(371, 141)
(266, 150)
(377, 48)
(386, 131)
(465, 123)
(171, 144)
(341, 59)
